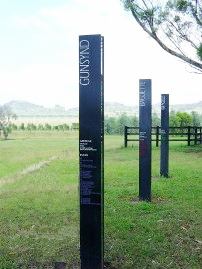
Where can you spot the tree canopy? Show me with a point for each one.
(176, 25)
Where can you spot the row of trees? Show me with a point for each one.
(5, 130)
(112, 125)
(7, 118)
(177, 119)
(42, 127)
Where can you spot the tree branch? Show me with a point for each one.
(173, 41)
(195, 15)
(181, 35)
(153, 34)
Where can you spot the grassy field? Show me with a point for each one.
(54, 120)
(39, 219)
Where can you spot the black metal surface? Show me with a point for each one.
(91, 153)
(145, 139)
(164, 153)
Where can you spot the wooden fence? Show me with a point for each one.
(188, 134)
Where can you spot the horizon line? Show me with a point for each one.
(76, 106)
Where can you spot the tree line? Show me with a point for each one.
(112, 125)
(6, 130)
(115, 125)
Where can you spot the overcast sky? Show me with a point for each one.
(39, 54)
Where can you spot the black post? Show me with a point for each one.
(188, 135)
(164, 135)
(195, 135)
(200, 135)
(157, 136)
(145, 139)
(125, 136)
(91, 137)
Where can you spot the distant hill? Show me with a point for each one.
(22, 108)
(188, 107)
(26, 109)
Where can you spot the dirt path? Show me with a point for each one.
(28, 170)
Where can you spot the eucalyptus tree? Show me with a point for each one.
(176, 25)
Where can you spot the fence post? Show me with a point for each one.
(125, 136)
(157, 136)
(200, 135)
(188, 135)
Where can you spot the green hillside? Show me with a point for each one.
(22, 108)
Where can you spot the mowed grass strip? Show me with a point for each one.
(25, 148)
(40, 210)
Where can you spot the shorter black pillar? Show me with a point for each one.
(145, 140)
(125, 136)
(188, 135)
(164, 159)
(157, 136)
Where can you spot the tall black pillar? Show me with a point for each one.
(91, 152)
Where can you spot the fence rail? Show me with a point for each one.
(187, 134)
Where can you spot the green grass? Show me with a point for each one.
(39, 210)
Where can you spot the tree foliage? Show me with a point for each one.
(6, 116)
(184, 119)
(115, 125)
(181, 119)
(196, 121)
(176, 25)
(156, 121)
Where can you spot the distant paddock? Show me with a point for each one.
(52, 120)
